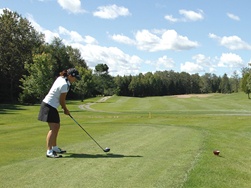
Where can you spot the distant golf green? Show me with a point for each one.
(155, 142)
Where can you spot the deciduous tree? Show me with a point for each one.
(40, 77)
(17, 41)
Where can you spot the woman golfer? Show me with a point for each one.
(48, 110)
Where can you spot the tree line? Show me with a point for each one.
(163, 83)
(29, 66)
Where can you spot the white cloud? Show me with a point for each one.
(191, 68)
(1, 10)
(75, 37)
(157, 40)
(34, 23)
(171, 18)
(230, 60)
(234, 43)
(192, 15)
(161, 64)
(213, 36)
(169, 40)
(164, 63)
(188, 15)
(90, 40)
(202, 60)
(122, 39)
(111, 12)
(49, 35)
(233, 17)
(208, 63)
(147, 40)
(200, 64)
(204, 64)
(117, 61)
(73, 6)
(231, 42)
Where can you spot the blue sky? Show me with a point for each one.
(139, 36)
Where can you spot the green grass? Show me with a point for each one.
(154, 141)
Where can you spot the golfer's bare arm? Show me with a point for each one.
(63, 103)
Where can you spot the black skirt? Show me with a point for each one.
(48, 114)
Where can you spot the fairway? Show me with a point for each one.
(154, 141)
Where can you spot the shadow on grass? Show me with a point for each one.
(10, 108)
(72, 111)
(110, 155)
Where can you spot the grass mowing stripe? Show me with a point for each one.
(214, 102)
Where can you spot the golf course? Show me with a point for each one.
(155, 142)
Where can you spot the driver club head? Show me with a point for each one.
(106, 149)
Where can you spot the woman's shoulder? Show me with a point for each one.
(60, 81)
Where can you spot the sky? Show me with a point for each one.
(140, 36)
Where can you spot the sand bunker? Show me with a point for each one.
(193, 95)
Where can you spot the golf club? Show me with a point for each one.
(105, 150)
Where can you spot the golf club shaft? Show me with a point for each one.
(86, 132)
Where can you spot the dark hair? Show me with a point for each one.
(63, 73)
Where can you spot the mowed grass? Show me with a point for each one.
(155, 142)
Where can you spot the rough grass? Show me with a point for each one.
(154, 141)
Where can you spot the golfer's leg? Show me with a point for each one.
(52, 135)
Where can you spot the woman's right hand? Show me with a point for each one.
(66, 111)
